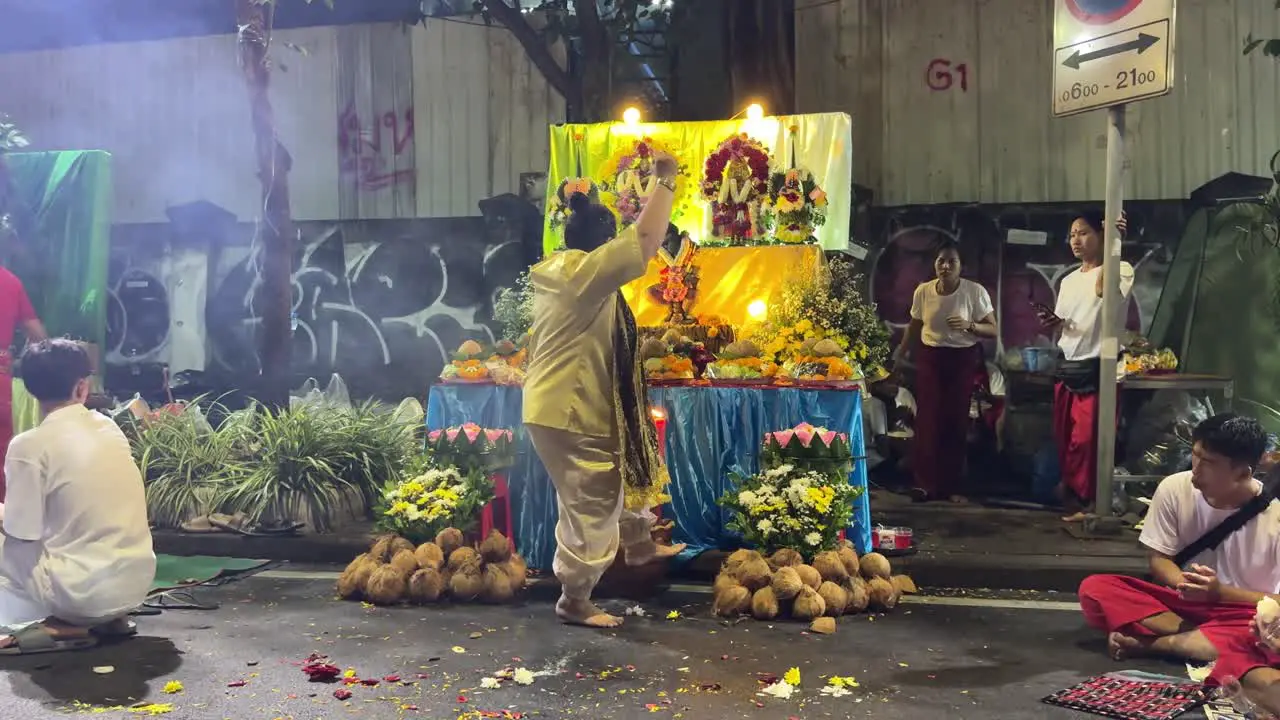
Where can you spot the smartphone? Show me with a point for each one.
(1042, 309)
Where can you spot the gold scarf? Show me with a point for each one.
(644, 475)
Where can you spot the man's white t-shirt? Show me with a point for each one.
(1081, 311)
(1247, 559)
(970, 302)
(76, 495)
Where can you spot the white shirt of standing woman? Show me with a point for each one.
(1081, 311)
(969, 302)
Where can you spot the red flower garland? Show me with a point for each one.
(732, 218)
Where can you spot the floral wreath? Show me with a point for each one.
(736, 174)
(627, 178)
(560, 210)
(794, 207)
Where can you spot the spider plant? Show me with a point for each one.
(298, 457)
(380, 445)
(185, 464)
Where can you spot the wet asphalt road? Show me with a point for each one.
(243, 662)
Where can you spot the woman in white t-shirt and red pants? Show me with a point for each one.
(949, 315)
(1078, 319)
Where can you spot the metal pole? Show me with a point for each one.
(1111, 310)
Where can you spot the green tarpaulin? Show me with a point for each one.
(62, 209)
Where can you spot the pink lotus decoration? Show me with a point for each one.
(808, 446)
(471, 446)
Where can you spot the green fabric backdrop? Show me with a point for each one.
(63, 209)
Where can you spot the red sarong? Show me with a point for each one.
(943, 389)
(6, 417)
(1075, 431)
(1115, 603)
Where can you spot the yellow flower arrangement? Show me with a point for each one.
(636, 157)
(441, 497)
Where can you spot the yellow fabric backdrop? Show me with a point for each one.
(730, 279)
(822, 143)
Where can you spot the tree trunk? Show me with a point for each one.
(274, 234)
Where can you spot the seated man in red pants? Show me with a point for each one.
(1204, 612)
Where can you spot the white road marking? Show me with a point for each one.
(994, 603)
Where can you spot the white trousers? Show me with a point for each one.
(29, 594)
(593, 523)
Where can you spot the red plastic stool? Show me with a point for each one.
(500, 506)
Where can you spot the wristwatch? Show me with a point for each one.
(668, 183)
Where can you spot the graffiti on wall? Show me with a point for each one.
(368, 148)
(384, 303)
(1018, 270)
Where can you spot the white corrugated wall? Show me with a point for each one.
(997, 141)
(174, 115)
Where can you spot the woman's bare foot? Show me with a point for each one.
(585, 613)
(656, 553)
(1123, 647)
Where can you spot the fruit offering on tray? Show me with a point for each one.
(821, 361)
(468, 364)
(511, 353)
(742, 361)
(1141, 357)
(662, 361)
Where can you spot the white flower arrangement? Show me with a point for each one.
(784, 506)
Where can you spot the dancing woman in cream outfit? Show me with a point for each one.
(585, 405)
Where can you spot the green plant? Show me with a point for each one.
(379, 448)
(513, 310)
(186, 465)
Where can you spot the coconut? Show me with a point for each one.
(386, 586)
(450, 539)
(671, 337)
(470, 348)
(826, 348)
(429, 555)
(753, 573)
(786, 583)
(652, 348)
(882, 594)
(764, 604)
(809, 604)
(849, 558)
(724, 581)
(496, 584)
(858, 595)
(467, 582)
(462, 556)
(809, 576)
(495, 548)
(834, 597)
(823, 626)
(786, 557)
(904, 585)
(381, 548)
(874, 565)
(426, 586)
(405, 562)
(517, 572)
(398, 544)
(735, 559)
(352, 580)
(732, 601)
(830, 567)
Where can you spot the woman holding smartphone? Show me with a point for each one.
(949, 315)
(1077, 317)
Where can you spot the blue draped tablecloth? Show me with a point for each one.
(712, 433)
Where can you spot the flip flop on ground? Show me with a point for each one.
(37, 639)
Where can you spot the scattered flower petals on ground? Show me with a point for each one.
(342, 694)
(523, 676)
(673, 615)
(237, 683)
(321, 671)
(792, 677)
(173, 687)
(781, 690)
(490, 683)
(459, 649)
(104, 669)
(635, 611)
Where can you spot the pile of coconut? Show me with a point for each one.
(395, 572)
(838, 582)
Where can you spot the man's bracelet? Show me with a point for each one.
(667, 183)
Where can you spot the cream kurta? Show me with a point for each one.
(569, 383)
(569, 407)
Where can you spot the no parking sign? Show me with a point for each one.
(1109, 52)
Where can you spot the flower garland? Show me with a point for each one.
(735, 175)
(794, 207)
(560, 210)
(627, 178)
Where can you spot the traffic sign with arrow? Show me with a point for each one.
(1110, 52)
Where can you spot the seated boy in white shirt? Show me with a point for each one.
(1203, 611)
(75, 548)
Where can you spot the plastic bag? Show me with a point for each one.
(334, 395)
(1159, 438)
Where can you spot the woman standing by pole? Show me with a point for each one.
(949, 315)
(1078, 319)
